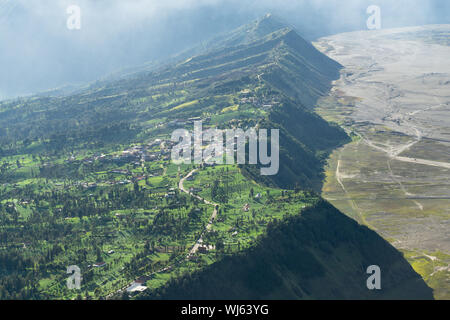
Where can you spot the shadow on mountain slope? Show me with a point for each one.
(319, 254)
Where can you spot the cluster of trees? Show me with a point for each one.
(319, 254)
(17, 277)
(174, 219)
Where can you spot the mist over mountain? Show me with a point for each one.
(38, 52)
(87, 170)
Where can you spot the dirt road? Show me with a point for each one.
(394, 93)
(211, 220)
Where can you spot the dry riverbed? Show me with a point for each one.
(393, 97)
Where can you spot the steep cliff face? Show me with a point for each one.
(319, 254)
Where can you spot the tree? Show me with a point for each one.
(136, 187)
(220, 245)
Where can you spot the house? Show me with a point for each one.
(99, 265)
(202, 249)
(195, 190)
(157, 142)
(193, 119)
(150, 156)
(136, 286)
(170, 194)
(194, 258)
(26, 244)
(120, 171)
(177, 122)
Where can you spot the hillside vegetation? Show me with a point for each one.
(86, 179)
(318, 254)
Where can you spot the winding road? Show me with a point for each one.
(211, 220)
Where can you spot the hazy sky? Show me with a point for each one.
(38, 52)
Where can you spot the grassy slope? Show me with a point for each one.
(319, 254)
(109, 117)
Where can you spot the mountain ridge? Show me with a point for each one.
(270, 80)
(318, 254)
